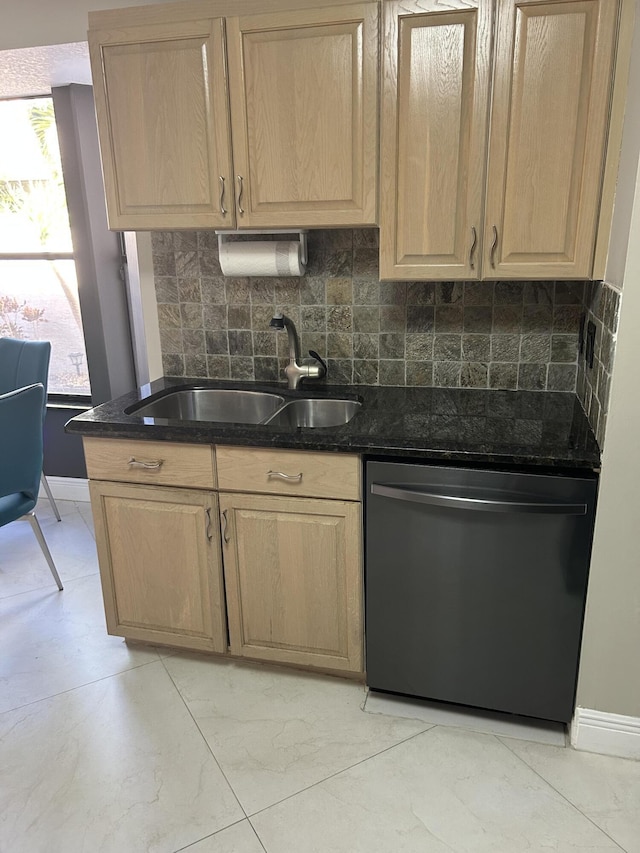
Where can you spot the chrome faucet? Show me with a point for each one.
(294, 371)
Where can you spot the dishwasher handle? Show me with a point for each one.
(478, 504)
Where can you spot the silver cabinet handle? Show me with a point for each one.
(209, 528)
(223, 209)
(481, 504)
(225, 526)
(240, 193)
(291, 478)
(153, 465)
(472, 250)
(494, 246)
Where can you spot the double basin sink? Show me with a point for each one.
(222, 405)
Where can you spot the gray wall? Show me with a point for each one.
(451, 334)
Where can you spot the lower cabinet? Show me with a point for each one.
(160, 564)
(279, 548)
(293, 571)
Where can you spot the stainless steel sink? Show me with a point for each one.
(315, 413)
(211, 404)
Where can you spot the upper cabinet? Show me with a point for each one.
(285, 136)
(163, 119)
(516, 196)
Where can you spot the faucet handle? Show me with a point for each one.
(319, 358)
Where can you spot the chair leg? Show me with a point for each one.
(50, 496)
(35, 526)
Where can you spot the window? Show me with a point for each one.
(38, 284)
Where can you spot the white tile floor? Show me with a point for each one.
(106, 747)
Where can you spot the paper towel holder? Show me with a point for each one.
(301, 232)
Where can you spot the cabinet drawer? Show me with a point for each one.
(160, 462)
(289, 472)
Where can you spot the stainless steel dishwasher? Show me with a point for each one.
(475, 585)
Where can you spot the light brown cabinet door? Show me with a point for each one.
(303, 89)
(436, 74)
(293, 570)
(162, 108)
(548, 132)
(160, 564)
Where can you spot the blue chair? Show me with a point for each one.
(25, 363)
(21, 454)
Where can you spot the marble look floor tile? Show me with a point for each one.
(239, 838)
(22, 564)
(276, 732)
(84, 509)
(605, 789)
(53, 641)
(114, 767)
(487, 722)
(445, 790)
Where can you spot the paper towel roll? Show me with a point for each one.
(261, 258)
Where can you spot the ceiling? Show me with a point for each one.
(34, 70)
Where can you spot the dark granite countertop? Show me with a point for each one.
(524, 428)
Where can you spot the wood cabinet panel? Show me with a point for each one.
(293, 579)
(437, 64)
(257, 469)
(160, 564)
(161, 102)
(548, 131)
(160, 463)
(303, 88)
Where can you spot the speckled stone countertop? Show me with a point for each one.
(524, 428)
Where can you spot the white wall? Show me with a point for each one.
(27, 23)
(610, 665)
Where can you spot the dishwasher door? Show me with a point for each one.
(476, 584)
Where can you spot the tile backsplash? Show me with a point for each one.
(452, 334)
(602, 308)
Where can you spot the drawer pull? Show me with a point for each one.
(225, 526)
(154, 465)
(209, 529)
(291, 478)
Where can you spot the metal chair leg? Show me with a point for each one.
(35, 526)
(50, 496)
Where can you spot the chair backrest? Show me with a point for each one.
(24, 363)
(21, 441)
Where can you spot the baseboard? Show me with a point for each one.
(67, 489)
(609, 734)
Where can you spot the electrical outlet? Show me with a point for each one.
(590, 344)
(581, 335)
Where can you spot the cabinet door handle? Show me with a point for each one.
(225, 526)
(209, 529)
(152, 465)
(240, 193)
(291, 478)
(472, 250)
(223, 209)
(494, 246)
